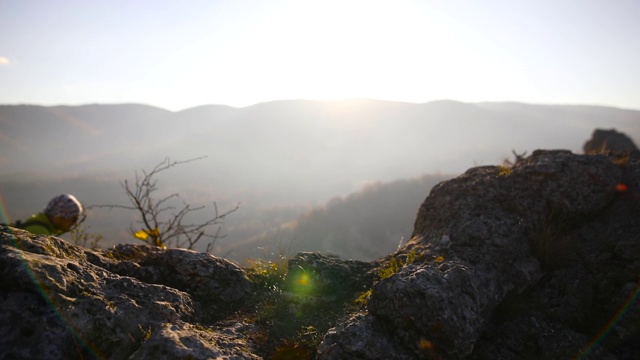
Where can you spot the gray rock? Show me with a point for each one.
(61, 301)
(603, 141)
(181, 340)
(361, 337)
(494, 236)
(218, 286)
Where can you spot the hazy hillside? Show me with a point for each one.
(66, 138)
(365, 225)
(369, 138)
(277, 159)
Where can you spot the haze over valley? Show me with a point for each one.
(279, 160)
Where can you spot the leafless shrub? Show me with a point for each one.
(164, 222)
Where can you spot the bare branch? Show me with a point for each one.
(163, 222)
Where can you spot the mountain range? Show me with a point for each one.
(278, 159)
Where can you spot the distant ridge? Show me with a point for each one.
(317, 130)
(491, 104)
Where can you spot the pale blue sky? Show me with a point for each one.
(180, 54)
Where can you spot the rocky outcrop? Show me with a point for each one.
(603, 141)
(533, 261)
(536, 260)
(62, 301)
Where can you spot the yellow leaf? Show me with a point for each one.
(439, 259)
(504, 171)
(142, 235)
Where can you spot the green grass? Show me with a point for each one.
(291, 316)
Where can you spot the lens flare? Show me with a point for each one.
(301, 282)
(304, 280)
(584, 352)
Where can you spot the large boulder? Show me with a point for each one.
(218, 286)
(603, 141)
(61, 301)
(531, 261)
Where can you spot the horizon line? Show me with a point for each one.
(353, 99)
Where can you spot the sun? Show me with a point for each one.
(334, 50)
(401, 50)
(352, 49)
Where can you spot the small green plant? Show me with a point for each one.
(268, 278)
(363, 298)
(267, 274)
(392, 267)
(111, 305)
(507, 165)
(504, 171)
(146, 333)
(292, 318)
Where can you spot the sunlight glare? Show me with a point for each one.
(335, 50)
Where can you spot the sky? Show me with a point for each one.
(181, 54)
